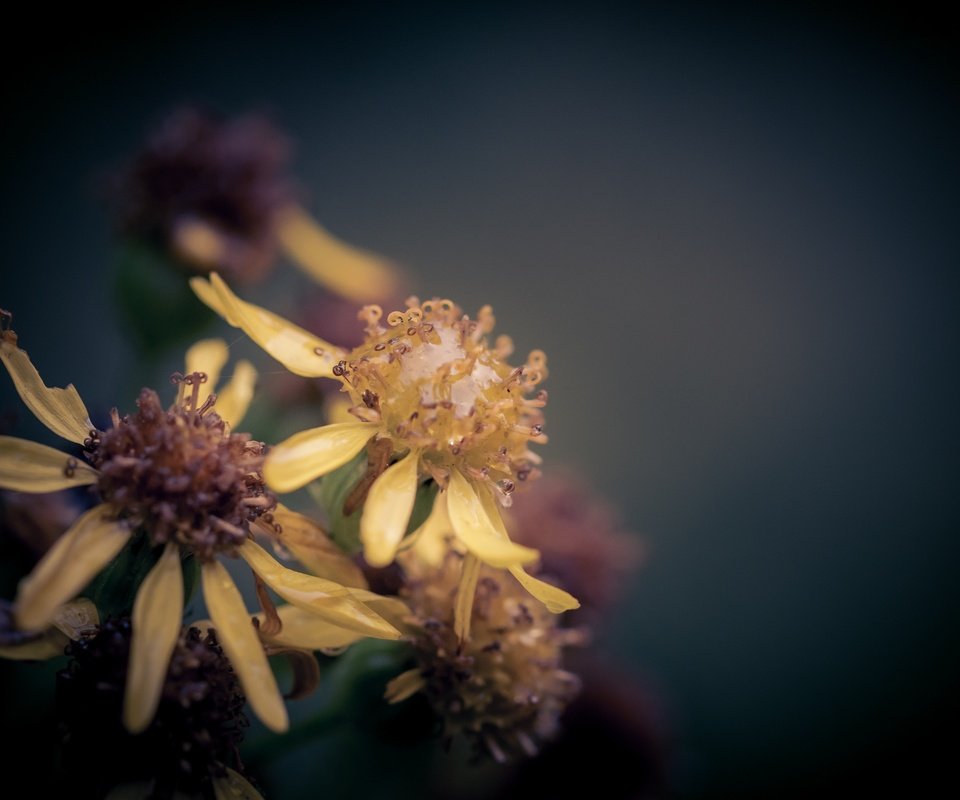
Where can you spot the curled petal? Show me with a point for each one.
(318, 596)
(157, 615)
(474, 528)
(309, 454)
(299, 351)
(240, 642)
(61, 410)
(93, 540)
(387, 510)
(313, 548)
(555, 599)
(30, 467)
(234, 399)
(349, 272)
(207, 356)
(306, 631)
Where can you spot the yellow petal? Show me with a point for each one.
(233, 786)
(475, 529)
(556, 600)
(431, 540)
(239, 640)
(392, 609)
(387, 510)
(315, 550)
(318, 596)
(309, 454)
(157, 616)
(463, 609)
(405, 685)
(352, 273)
(234, 399)
(337, 409)
(31, 467)
(78, 555)
(77, 618)
(307, 631)
(61, 410)
(299, 351)
(207, 356)
(50, 645)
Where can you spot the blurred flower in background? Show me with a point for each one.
(209, 193)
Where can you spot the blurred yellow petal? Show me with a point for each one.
(463, 608)
(312, 547)
(207, 356)
(50, 645)
(90, 544)
(240, 642)
(307, 631)
(337, 409)
(61, 410)
(474, 529)
(299, 351)
(31, 467)
(156, 621)
(309, 454)
(233, 786)
(556, 600)
(431, 539)
(346, 270)
(71, 621)
(324, 598)
(387, 509)
(234, 399)
(405, 685)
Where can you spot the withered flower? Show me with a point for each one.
(182, 477)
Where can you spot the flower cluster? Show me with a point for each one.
(434, 434)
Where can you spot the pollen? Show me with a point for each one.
(430, 378)
(181, 473)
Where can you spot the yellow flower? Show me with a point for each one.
(193, 485)
(505, 689)
(434, 398)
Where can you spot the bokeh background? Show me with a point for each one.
(734, 229)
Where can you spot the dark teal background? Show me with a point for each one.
(735, 233)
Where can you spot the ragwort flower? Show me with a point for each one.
(215, 193)
(181, 475)
(190, 749)
(434, 402)
(505, 688)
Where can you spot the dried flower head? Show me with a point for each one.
(505, 687)
(436, 402)
(193, 739)
(185, 480)
(215, 194)
(209, 190)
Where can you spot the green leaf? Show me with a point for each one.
(159, 307)
(114, 589)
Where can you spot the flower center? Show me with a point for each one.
(435, 385)
(181, 474)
